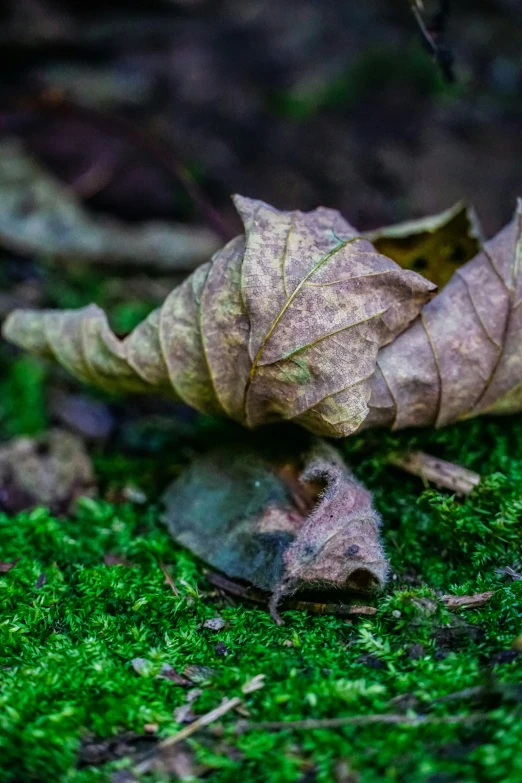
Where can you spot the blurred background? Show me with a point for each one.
(162, 109)
(125, 127)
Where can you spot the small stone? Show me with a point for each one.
(151, 728)
(417, 651)
(221, 649)
(214, 624)
(396, 614)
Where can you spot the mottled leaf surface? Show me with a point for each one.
(283, 323)
(463, 356)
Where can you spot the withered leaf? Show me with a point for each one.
(168, 672)
(301, 319)
(284, 323)
(463, 356)
(284, 522)
(41, 216)
(435, 246)
(52, 470)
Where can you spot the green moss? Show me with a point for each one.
(66, 648)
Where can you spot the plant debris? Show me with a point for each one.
(282, 521)
(39, 215)
(467, 601)
(205, 720)
(437, 471)
(5, 567)
(284, 323)
(287, 322)
(52, 470)
(214, 624)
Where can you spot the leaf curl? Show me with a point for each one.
(463, 356)
(283, 519)
(284, 323)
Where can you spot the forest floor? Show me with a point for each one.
(74, 706)
(152, 111)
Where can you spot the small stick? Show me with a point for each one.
(467, 601)
(259, 597)
(211, 716)
(255, 684)
(360, 720)
(168, 577)
(437, 471)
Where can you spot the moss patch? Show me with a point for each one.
(66, 647)
(66, 644)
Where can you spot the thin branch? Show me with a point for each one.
(168, 577)
(432, 37)
(361, 720)
(437, 471)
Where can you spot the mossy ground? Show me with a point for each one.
(66, 647)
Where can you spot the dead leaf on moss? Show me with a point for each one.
(168, 672)
(284, 521)
(52, 470)
(5, 567)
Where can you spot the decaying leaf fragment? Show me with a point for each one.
(283, 522)
(53, 470)
(39, 215)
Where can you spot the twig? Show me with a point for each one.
(250, 593)
(467, 601)
(252, 685)
(437, 471)
(60, 103)
(432, 35)
(168, 577)
(360, 720)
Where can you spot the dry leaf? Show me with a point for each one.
(467, 601)
(41, 216)
(434, 246)
(285, 323)
(53, 470)
(284, 523)
(463, 356)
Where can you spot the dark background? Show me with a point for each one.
(162, 109)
